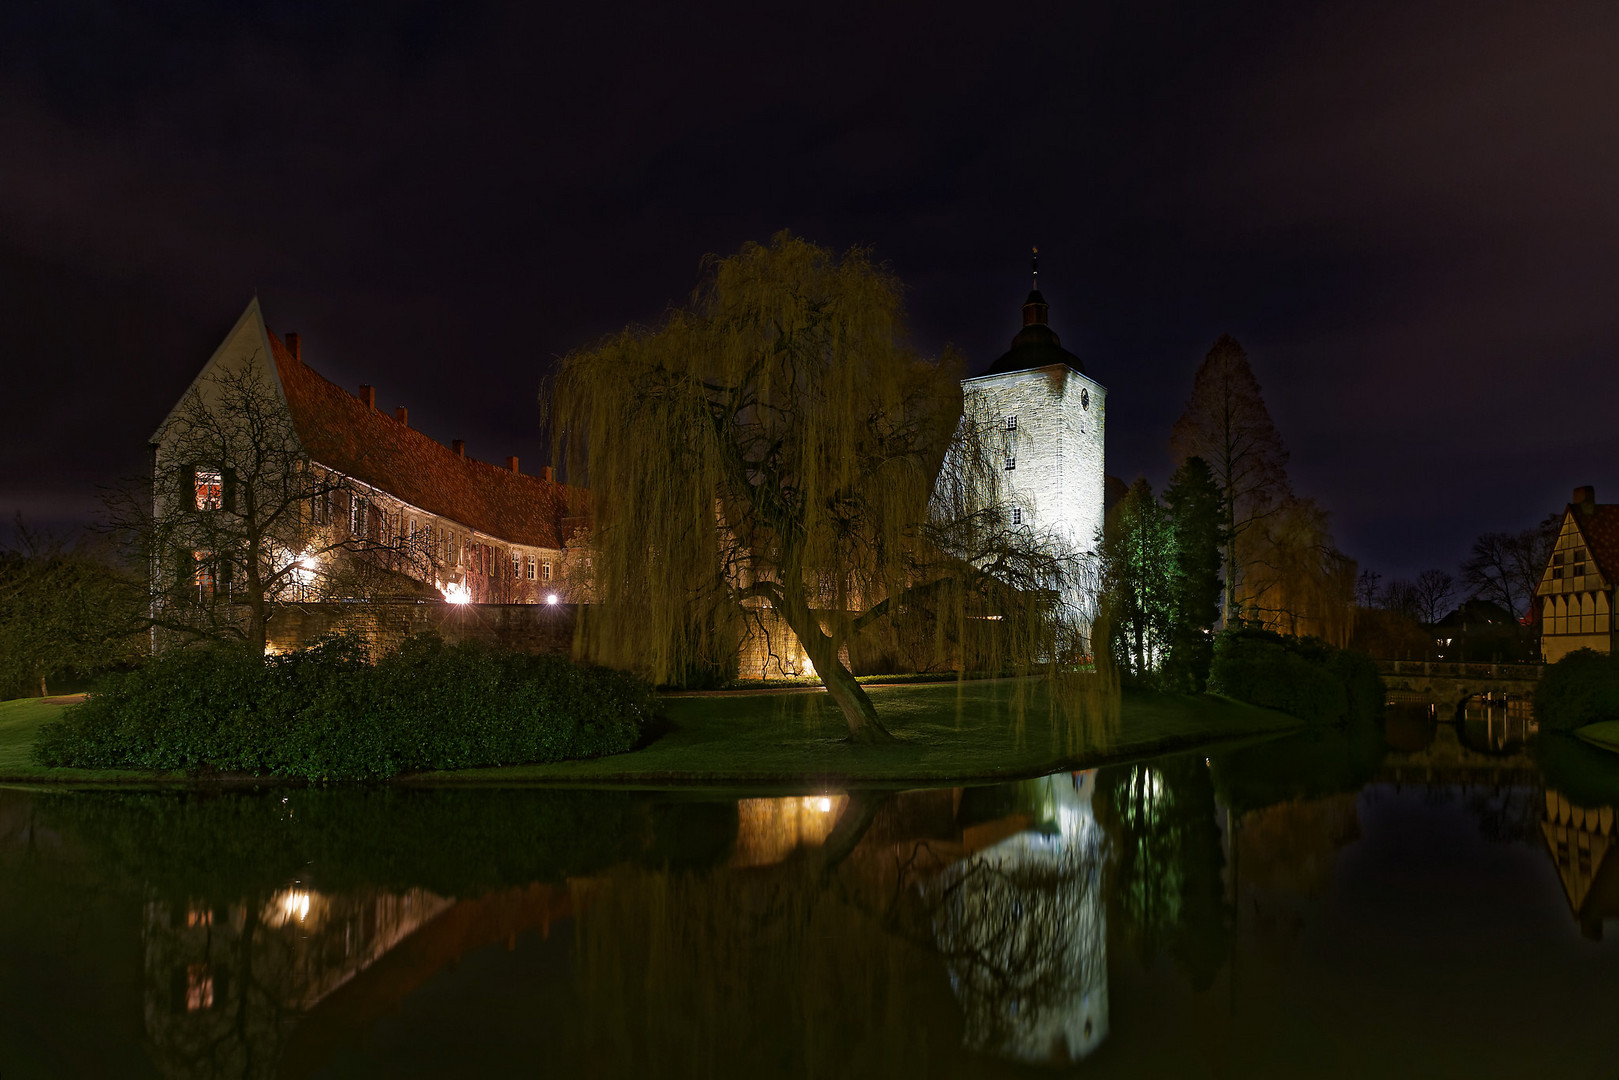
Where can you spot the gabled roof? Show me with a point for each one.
(1600, 528)
(1601, 531)
(343, 433)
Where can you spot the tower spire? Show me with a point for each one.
(1034, 308)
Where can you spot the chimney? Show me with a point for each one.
(402, 414)
(545, 472)
(511, 463)
(1585, 499)
(294, 347)
(368, 394)
(460, 447)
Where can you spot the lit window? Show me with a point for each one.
(531, 570)
(1011, 423)
(517, 565)
(205, 576)
(199, 988)
(545, 571)
(210, 489)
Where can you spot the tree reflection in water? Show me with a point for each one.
(1166, 891)
(1023, 931)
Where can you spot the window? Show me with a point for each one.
(545, 571)
(210, 487)
(1084, 399)
(1579, 562)
(357, 516)
(1011, 423)
(1017, 515)
(517, 565)
(199, 988)
(531, 568)
(204, 575)
(1011, 461)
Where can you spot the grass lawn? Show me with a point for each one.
(20, 719)
(951, 731)
(987, 730)
(1605, 734)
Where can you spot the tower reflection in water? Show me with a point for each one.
(1023, 930)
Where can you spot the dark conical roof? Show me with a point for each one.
(1036, 345)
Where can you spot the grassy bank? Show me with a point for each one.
(971, 731)
(1604, 734)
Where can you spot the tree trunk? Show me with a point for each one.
(858, 712)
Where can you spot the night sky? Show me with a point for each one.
(1406, 211)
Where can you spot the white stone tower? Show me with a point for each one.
(1052, 417)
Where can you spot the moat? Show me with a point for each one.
(1414, 898)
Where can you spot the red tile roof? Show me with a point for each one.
(341, 432)
(1601, 531)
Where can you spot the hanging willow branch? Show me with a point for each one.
(775, 451)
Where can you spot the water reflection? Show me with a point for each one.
(1023, 929)
(1100, 917)
(1581, 842)
(224, 984)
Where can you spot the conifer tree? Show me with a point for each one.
(1194, 513)
(1227, 424)
(1137, 580)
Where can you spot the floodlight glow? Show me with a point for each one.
(457, 593)
(551, 598)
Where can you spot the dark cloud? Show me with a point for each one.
(1402, 209)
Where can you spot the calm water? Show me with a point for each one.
(1422, 899)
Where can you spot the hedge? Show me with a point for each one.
(326, 713)
(1581, 688)
(1304, 677)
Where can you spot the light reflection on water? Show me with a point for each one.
(1183, 914)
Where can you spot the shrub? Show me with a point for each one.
(1581, 688)
(1305, 677)
(327, 713)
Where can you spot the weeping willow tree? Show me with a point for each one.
(775, 454)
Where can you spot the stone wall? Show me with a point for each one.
(1059, 446)
(531, 628)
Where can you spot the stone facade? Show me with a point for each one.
(1051, 423)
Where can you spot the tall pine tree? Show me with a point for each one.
(1137, 570)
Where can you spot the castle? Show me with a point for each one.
(477, 533)
(1052, 421)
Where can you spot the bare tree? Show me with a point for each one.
(1227, 424)
(1505, 568)
(776, 452)
(237, 522)
(1434, 591)
(1367, 588)
(1401, 597)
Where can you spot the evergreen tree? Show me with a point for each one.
(1227, 424)
(1137, 580)
(1194, 514)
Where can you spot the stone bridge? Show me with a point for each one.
(1449, 686)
